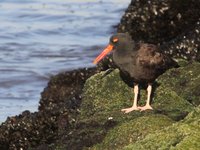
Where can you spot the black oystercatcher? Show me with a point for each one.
(140, 62)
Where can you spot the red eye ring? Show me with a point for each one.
(115, 40)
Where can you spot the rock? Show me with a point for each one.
(184, 81)
(159, 21)
(100, 119)
(131, 131)
(65, 121)
(174, 24)
(185, 45)
(64, 89)
(57, 113)
(181, 135)
(104, 97)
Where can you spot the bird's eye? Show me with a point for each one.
(115, 40)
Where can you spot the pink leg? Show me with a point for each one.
(147, 106)
(134, 107)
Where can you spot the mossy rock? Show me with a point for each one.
(132, 131)
(185, 81)
(168, 102)
(181, 135)
(104, 97)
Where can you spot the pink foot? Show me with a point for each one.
(127, 110)
(146, 107)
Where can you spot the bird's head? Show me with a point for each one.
(116, 40)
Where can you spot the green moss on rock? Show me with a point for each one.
(184, 81)
(181, 135)
(132, 131)
(105, 94)
(168, 102)
(105, 97)
(102, 124)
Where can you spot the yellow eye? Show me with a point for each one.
(115, 40)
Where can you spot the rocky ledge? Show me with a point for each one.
(163, 128)
(81, 109)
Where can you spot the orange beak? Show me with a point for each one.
(108, 49)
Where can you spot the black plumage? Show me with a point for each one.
(142, 62)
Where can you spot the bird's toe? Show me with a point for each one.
(127, 110)
(147, 107)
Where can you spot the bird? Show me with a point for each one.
(140, 62)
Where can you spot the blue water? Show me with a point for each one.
(39, 38)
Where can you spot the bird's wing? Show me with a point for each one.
(149, 56)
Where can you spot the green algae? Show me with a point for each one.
(181, 135)
(104, 94)
(102, 125)
(107, 96)
(132, 131)
(184, 81)
(168, 102)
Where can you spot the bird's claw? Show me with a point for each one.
(146, 107)
(127, 110)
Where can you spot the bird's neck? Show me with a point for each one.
(123, 53)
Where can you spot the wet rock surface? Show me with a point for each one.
(66, 120)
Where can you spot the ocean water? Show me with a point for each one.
(40, 38)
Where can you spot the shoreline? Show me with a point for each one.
(68, 114)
